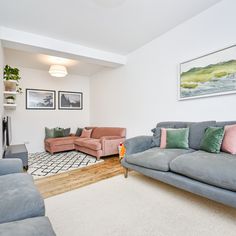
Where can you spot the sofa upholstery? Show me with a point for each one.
(206, 174)
(22, 208)
(104, 141)
(156, 158)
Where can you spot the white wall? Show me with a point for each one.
(28, 125)
(144, 92)
(1, 96)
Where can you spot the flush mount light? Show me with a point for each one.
(58, 71)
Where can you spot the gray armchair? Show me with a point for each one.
(10, 166)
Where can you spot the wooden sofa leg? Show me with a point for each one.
(126, 172)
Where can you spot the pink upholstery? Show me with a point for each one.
(104, 141)
(99, 132)
(93, 144)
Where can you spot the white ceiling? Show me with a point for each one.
(42, 62)
(119, 26)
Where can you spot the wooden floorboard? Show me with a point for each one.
(60, 183)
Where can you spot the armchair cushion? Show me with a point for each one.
(19, 198)
(10, 166)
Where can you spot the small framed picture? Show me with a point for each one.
(40, 99)
(70, 100)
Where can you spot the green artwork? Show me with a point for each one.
(213, 74)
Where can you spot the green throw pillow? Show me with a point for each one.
(177, 138)
(212, 139)
(58, 132)
(49, 133)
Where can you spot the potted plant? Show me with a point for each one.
(11, 77)
(10, 99)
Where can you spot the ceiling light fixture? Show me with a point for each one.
(58, 71)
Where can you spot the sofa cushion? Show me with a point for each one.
(229, 144)
(19, 198)
(196, 132)
(155, 158)
(210, 168)
(61, 141)
(36, 226)
(91, 143)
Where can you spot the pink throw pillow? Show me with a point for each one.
(86, 133)
(163, 138)
(229, 141)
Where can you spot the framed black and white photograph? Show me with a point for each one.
(70, 100)
(39, 99)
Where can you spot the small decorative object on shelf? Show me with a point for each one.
(11, 83)
(10, 99)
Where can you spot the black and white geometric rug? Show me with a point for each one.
(43, 164)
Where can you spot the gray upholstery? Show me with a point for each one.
(224, 196)
(210, 168)
(37, 226)
(19, 198)
(155, 158)
(196, 132)
(17, 151)
(138, 144)
(9, 166)
(223, 123)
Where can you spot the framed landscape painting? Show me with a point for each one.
(39, 99)
(70, 100)
(209, 75)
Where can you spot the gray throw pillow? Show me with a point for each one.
(196, 132)
(49, 133)
(66, 132)
(78, 132)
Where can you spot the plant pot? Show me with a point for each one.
(10, 101)
(10, 85)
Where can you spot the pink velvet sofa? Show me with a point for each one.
(104, 141)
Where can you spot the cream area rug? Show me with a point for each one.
(137, 206)
(42, 164)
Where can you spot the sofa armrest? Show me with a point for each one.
(10, 166)
(138, 144)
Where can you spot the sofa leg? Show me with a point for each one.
(98, 158)
(126, 172)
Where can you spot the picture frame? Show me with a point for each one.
(40, 99)
(212, 74)
(68, 100)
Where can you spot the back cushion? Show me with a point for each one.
(196, 132)
(224, 123)
(99, 132)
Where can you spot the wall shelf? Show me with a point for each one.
(10, 92)
(9, 106)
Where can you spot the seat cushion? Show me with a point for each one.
(19, 198)
(215, 169)
(93, 144)
(36, 226)
(155, 158)
(61, 141)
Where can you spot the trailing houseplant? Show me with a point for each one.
(12, 74)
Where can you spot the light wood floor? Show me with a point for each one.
(60, 183)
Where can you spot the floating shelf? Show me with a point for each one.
(10, 92)
(9, 106)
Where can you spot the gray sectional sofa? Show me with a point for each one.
(22, 210)
(206, 174)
